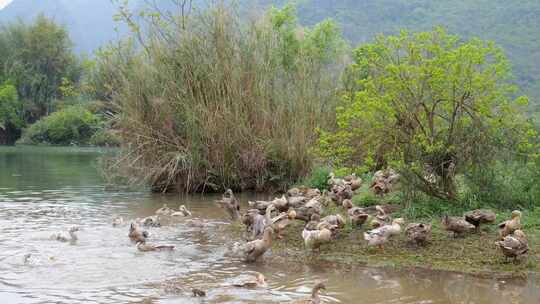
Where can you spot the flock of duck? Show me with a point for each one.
(268, 220)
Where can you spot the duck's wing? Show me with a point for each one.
(503, 224)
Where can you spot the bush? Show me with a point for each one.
(318, 178)
(72, 125)
(225, 104)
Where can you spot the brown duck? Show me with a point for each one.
(253, 250)
(230, 204)
(137, 235)
(480, 216)
(508, 227)
(514, 245)
(314, 299)
(457, 225)
(418, 233)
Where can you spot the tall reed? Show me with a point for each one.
(221, 102)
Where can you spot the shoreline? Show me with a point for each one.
(474, 254)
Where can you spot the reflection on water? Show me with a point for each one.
(47, 190)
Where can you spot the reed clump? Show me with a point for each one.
(214, 102)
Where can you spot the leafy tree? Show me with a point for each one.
(39, 58)
(10, 112)
(432, 106)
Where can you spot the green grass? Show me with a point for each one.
(474, 254)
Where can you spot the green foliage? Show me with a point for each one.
(71, 125)
(431, 106)
(505, 185)
(219, 103)
(39, 59)
(318, 178)
(10, 107)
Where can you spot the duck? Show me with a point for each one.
(281, 203)
(314, 299)
(230, 204)
(313, 222)
(70, 237)
(281, 221)
(149, 221)
(480, 216)
(334, 219)
(508, 227)
(333, 181)
(418, 233)
(117, 221)
(256, 281)
(255, 224)
(164, 210)
(182, 211)
(347, 204)
(457, 225)
(379, 236)
(514, 245)
(198, 293)
(354, 181)
(381, 218)
(136, 235)
(144, 247)
(357, 216)
(251, 251)
(313, 239)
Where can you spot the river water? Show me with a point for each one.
(47, 190)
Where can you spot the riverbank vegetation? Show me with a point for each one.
(225, 103)
(42, 87)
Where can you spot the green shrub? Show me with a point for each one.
(71, 125)
(318, 178)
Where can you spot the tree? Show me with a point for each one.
(38, 58)
(11, 120)
(431, 105)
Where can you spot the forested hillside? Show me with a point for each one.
(512, 25)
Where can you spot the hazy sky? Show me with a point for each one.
(4, 3)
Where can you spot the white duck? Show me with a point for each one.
(63, 237)
(182, 211)
(379, 236)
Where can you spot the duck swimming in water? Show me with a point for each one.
(70, 237)
(253, 250)
(137, 235)
(314, 299)
(182, 211)
(144, 247)
(251, 282)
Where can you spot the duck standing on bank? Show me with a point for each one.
(457, 225)
(313, 239)
(508, 227)
(480, 216)
(379, 236)
(418, 233)
(514, 245)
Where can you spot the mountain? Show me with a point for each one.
(512, 24)
(90, 22)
